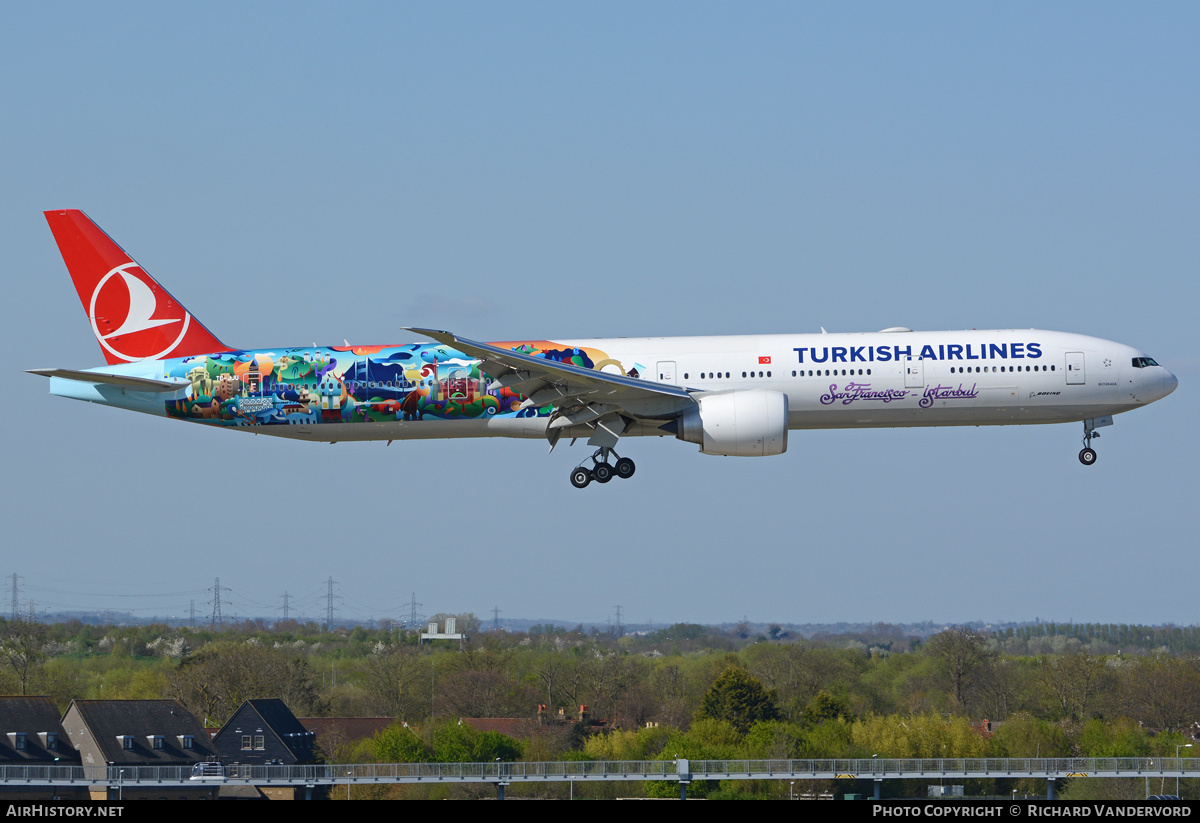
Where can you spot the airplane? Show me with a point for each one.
(731, 395)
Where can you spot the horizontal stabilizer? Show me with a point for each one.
(131, 383)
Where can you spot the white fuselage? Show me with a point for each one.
(882, 379)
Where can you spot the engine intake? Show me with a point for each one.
(737, 424)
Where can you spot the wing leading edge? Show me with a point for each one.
(606, 404)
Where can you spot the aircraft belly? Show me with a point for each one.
(1062, 413)
(406, 430)
(977, 406)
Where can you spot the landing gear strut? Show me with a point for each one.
(1088, 455)
(602, 471)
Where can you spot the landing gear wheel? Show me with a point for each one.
(625, 468)
(602, 473)
(1087, 457)
(580, 477)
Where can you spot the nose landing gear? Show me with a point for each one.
(1087, 456)
(602, 471)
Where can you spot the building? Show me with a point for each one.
(264, 732)
(32, 735)
(114, 734)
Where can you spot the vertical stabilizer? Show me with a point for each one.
(132, 316)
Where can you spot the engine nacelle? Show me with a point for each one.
(738, 424)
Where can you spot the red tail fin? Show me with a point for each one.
(133, 317)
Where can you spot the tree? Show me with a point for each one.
(24, 646)
(1071, 680)
(740, 699)
(457, 742)
(484, 682)
(400, 744)
(393, 677)
(918, 735)
(962, 656)
(610, 677)
(824, 706)
(1121, 738)
(1163, 691)
(215, 681)
(1023, 735)
(798, 671)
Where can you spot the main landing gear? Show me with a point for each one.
(1088, 455)
(602, 471)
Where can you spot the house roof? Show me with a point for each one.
(34, 718)
(110, 721)
(332, 732)
(273, 714)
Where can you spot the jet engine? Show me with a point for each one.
(749, 423)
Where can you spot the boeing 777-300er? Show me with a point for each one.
(736, 396)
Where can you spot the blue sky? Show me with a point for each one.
(299, 173)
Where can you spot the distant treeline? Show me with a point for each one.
(1118, 636)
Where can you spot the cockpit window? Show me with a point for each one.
(1143, 362)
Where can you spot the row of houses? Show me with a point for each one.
(127, 734)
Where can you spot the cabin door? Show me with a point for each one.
(1075, 374)
(666, 371)
(914, 373)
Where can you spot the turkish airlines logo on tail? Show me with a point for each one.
(124, 311)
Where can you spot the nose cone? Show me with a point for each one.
(1169, 383)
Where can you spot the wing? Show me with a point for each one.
(605, 404)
